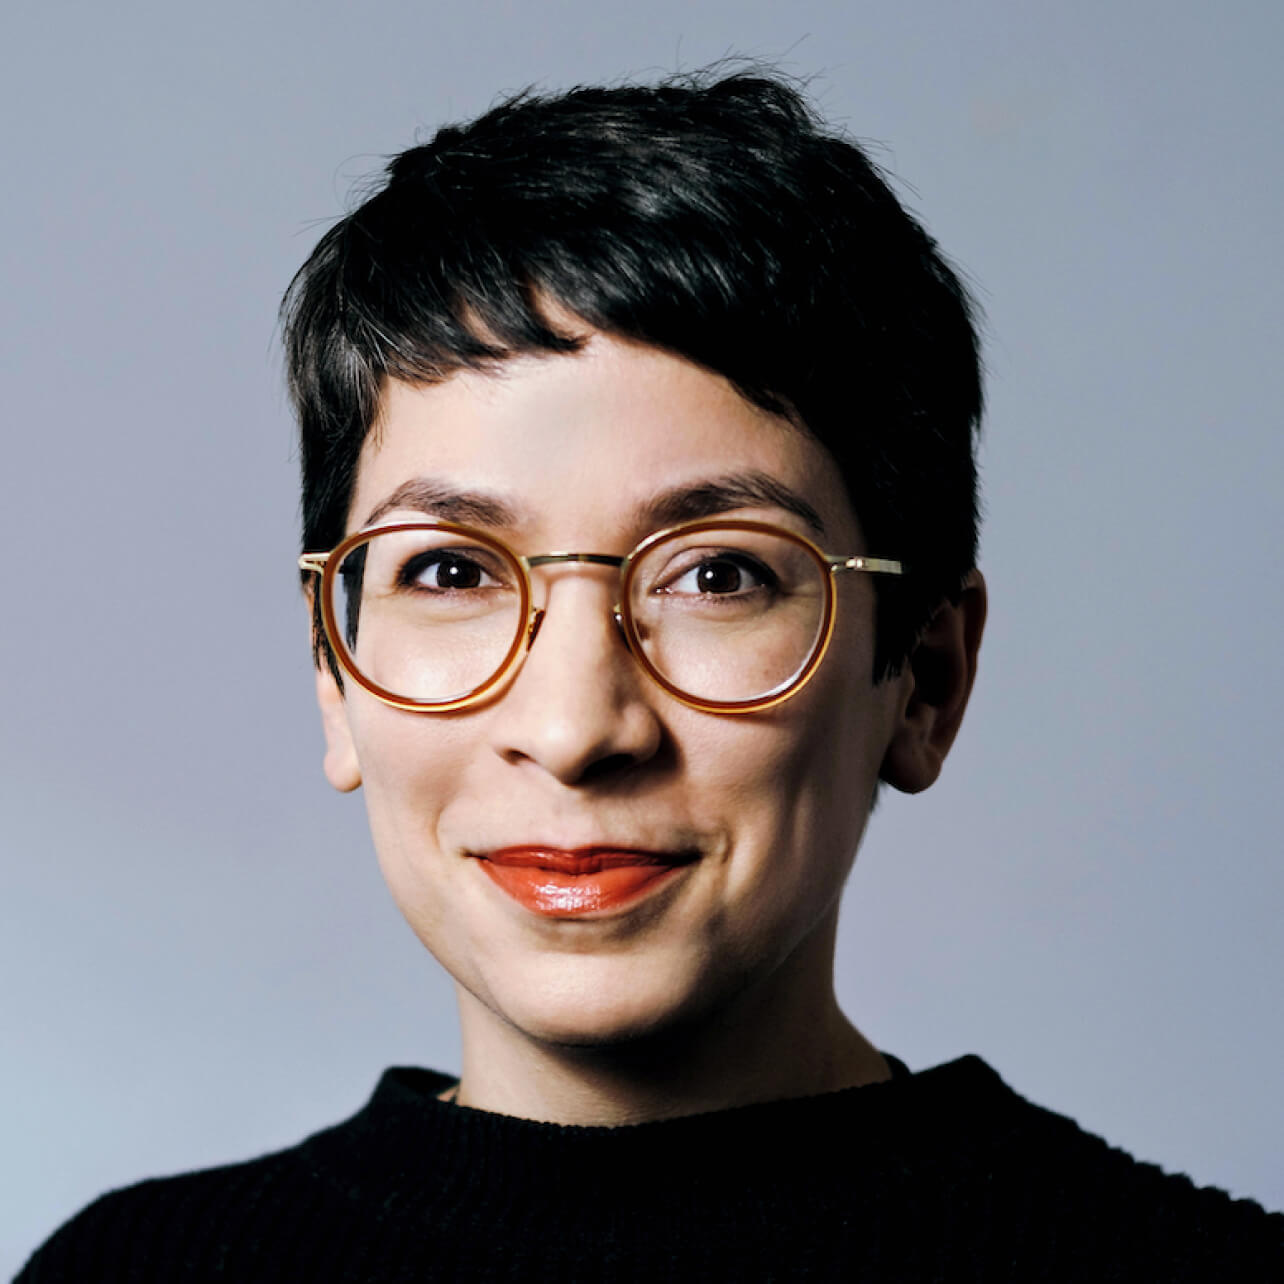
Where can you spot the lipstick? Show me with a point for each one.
(568, 884)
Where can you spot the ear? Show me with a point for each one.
(937, 682)
(342, 769)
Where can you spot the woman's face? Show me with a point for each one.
(750, 821)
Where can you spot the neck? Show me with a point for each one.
(761, 1047)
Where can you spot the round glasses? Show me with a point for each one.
(726, 616)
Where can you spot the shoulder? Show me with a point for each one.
(120, 1236)
(208, 1224)
(1048, 1181)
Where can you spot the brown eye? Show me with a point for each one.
(439, 571)
(722, 576)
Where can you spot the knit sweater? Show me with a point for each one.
(945, 1175)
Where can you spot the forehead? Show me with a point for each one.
(586, 441)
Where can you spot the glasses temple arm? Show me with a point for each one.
(872, 565)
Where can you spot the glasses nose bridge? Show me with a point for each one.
(611, 560)
(594, 559)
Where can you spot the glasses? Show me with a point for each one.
(726, 616)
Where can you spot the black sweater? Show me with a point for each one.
(942, 1175)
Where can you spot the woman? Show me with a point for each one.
(640, 517)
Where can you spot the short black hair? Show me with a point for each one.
(713, 216)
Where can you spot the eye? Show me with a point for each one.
(444, 570)
(726, 574)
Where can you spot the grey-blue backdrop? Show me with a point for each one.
(199, 959)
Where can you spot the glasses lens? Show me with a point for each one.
(428, 615)
(729, 615)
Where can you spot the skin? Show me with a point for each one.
(717, 990)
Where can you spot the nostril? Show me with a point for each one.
(608, 766)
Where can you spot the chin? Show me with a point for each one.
(625, 1002)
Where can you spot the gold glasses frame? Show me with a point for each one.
(831, 564)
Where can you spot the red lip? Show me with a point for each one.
(568, 884)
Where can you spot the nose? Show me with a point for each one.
(579, 707)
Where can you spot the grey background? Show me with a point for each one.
(199, 959)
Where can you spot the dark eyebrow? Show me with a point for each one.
(718, 495)
(436, 499)
(689, 502)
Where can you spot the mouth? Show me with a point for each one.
(589, 880)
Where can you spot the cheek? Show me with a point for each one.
(796, 782)
(409, 763)
(413, 768)
(808, 773)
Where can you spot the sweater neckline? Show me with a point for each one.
(404, 1137)
(448, 1095)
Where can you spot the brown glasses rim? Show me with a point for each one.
(335, 559)
(624, 611)
(327, 564)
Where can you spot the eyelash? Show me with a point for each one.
(410, 575)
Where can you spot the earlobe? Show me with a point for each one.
(342, 769)
(936, 683)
